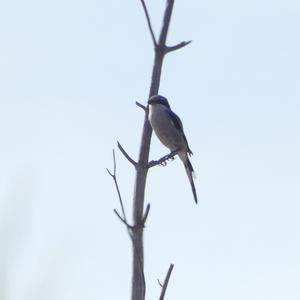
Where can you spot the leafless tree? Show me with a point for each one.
(136, 230)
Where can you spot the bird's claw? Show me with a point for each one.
(162, 163)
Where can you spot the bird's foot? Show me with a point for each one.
(163, 161)
(168, 157)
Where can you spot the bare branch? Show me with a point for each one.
(159, 282)
(166, 281)
(149, 23)
(126, 155)
(146, 214)
(166, 23)
(176, 47)
(114, 177)
(138, 285)
(141, 106)
(122, 219)
(162, 161)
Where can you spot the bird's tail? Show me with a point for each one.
(190, 173)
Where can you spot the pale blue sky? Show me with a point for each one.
(70, 72)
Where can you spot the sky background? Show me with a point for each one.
(70, 73)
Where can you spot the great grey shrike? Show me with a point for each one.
(168, 128)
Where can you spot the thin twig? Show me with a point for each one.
(176, 47)
(126, 155)
(159, 282)
(111, 174)
(141, 106)
(114, 177)
(146, 214)
(166, 281)
(122, 220)
(149, 23)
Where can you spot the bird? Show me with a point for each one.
(169, 130)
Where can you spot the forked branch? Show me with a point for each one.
(149, 23)
(114, 177)
(165, 284)
(136, 232)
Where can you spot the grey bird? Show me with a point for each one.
(168, 128)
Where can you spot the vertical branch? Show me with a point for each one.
(136, 230)
(138, 282)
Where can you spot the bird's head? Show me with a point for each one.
(158, 99)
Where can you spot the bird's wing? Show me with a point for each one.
(176, 122)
